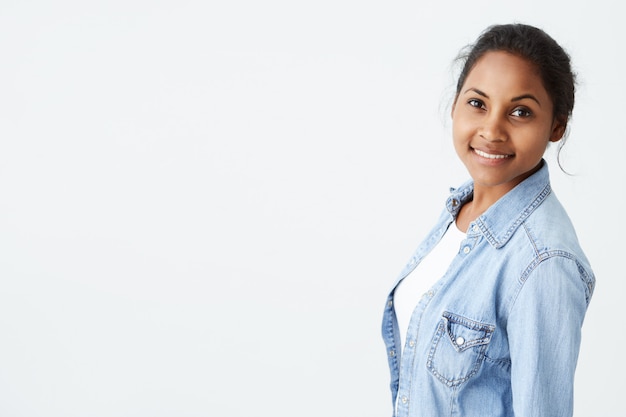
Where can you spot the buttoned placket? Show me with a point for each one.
(408, 355)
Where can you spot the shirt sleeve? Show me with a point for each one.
(544, 330)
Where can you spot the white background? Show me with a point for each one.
(203, 204)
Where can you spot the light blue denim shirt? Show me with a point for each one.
(499, 333)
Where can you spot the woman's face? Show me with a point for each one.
(502, 121)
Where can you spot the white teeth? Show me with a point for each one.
(490, 156)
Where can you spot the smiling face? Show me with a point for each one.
(502, 122)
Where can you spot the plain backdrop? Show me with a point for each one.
(204, 204)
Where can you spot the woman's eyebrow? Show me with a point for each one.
(523, 96)
(477, 91)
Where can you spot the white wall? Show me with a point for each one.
(203, 204)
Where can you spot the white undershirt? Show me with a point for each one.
(422, 278)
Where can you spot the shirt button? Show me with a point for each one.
(392, 353)
(389, 303)
(460, 341)
(466, 250)
(412, 343)
(455, 202)
(475, 228)
(404, 399)
(431, 293)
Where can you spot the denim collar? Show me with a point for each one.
(503, 218)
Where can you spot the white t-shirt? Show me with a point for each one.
(422, 278)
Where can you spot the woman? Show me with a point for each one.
(485, 319)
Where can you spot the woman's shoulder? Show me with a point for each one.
(552, 235)
(550, 227)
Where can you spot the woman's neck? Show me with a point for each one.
(483, 198)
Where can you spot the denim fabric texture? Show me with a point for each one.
(499, 333)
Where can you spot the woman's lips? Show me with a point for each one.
(491, 155)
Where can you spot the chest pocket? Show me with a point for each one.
(458, 348)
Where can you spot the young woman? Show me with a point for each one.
(485, 319)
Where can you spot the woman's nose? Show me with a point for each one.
(493, 128)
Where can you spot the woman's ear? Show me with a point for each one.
(558, 130)
(453, 106)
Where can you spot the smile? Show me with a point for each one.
(490, 156)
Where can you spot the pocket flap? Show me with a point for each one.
(464, 333)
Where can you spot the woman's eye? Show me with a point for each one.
(521, 113)
(475, 103)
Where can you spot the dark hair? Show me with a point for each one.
(536, 46)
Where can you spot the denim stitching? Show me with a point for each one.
(480, 352)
